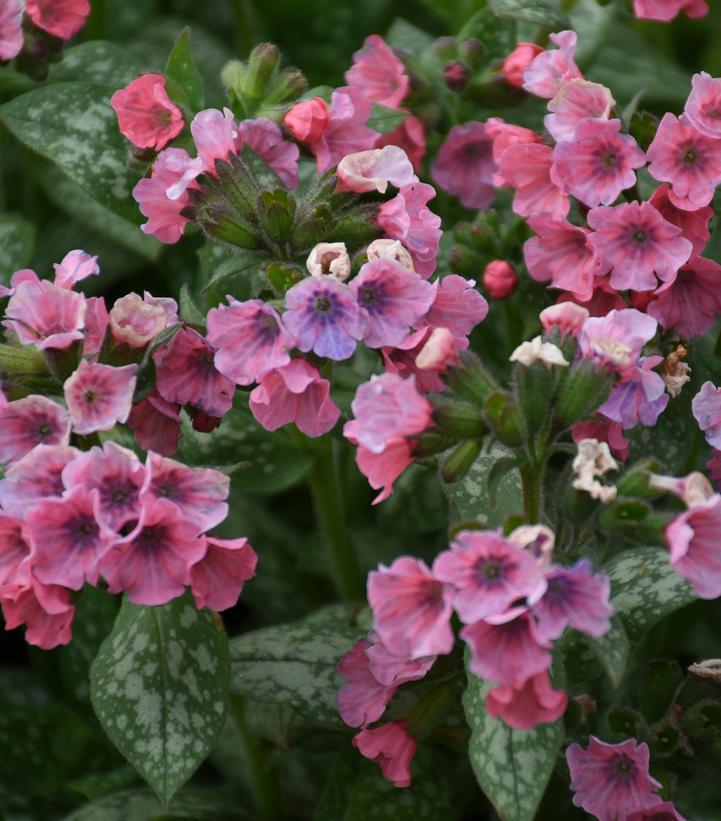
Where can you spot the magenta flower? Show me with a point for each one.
(562, 254)
(38, 475)
(551, 69)
(31, 421)
(116, 475)
(665, 11)
(11, 29)
(146, 115)
(640, 396)
(45, 611)
(346, 132)
(664, 811)
(506, 648)
(15, 550)
(703, 107)
(391, 301)
(295, 393)
(487, 573)
(691, 303)
(464, 166)
(692, 539)
(392, 747)
(362, 699)
(527, 168)
(249, 340)
(574, 597)
(61, 18)
(382, 469)
(75, 266)
(598, 163)
(688, 159)
(693, 224)
(156, 424)
(322, 316)
(411, 609)
(378, 74)
(635, 242)
(43, 315)
(457, 305)
(576, 100)
(217, 579)
(99, 396)
(534, 703)
(373, 170)
(186, 374)
(152, 564)
(611, 780)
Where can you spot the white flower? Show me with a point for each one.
(391, 249)
(538, 351)
(329, 259)
(593, 460)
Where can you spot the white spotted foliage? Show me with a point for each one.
(159, 686)
(17, 240)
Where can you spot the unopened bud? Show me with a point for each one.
(518, 61)
(566, 316)
(537, 539)
(307, 121)
(585, 388)
(499, 279)
(469, 379)
(504, 418)
(391, 249)
(460, 461)
(329, 259)
(456, 417)
(472, 52)
(456, 76)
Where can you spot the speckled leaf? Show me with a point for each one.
(159, 686)
(586, 657)
(645, 588)
(543, 12)
(73, 125)
(17, 240)
(512, 766)
(105, 62)
(294, 664)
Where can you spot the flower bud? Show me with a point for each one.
(391, 249)
(456, 417)
(504, 418)
(585, 388)
(470, 380)
(307, 121)
(499, 279)
(456, 76)
(460, 461)
(431, 443)
(329, 259)
(518, 61)
(472, 52)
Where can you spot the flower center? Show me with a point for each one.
(639, 236)
(89, 396)
(689, 156)
(609, 160)
(323, 305)
(44, 430)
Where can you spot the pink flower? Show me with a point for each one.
(156, 424)
(551, 69)
(527, 168)
(15, 550)
(534, 703)
(76, 266)
(217, 579)
(362, 699)
(665, 11)
(99, 396)
(617, 339)
(378, 74)
(576, 100)
(664, 811)
(635, 242)
(706, 408)
(135, 322)
(611, 780)
(392, 748)
(61, 18)
(703, 106)
(265, 138)
(186, 374)
(407, 218)
(46, 612)
(96, 326)
(373, 170)
(146, 115)
(504, 135)
(640, 396)
(563, 254)
(499, 279)
(693, 224)
(308, 120)
(295, 393)
(487, 573)
(598, 163)
(566, 316)
(172, 170)
(391, 301)
(691, 303)
(215, 134)
(410, 135)
(382, 469)
(394, 670)
(692, 539)
(411, 609)
(43, 315)
(457, 305)
(516, 63)
(346, 132)
(506, 648)
(323, 316)
(249, 340)
(153, 563)
(688, 159)
(31, 421)
(11, 31)
(116, 475)
(464, 166)
(38, 475)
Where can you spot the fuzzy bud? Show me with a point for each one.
(456, 76)
(518, 61)
(307, 121)
(499, 279)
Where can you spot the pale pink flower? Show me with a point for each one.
(330, 259)
(25, 423)
(45, 610)
(135, 322)
(703, 106)
(411, 609)
(534, 703)
(665, 11)
(75, 266)
(610, 781)
(215, 134)
(694, 553)
(38, 475)
(217, 579)
(516, 63)
(294, 393)
(551, 69)
(156, 424)
(362, 699)
(308, 120)
(346, 132)
(146, 115)
(487, 572)
(576, 100)
(378, 74)
(617, 339)
(265, 138)
(382, 469)
(499, 279)
(636, 244)
(465, 167)
(372, 170)
(392, 747)
(61, 18)
(457, 305)
(686, 158)
(96, 325)
(691, 303)
(410, 135)
(566, 316)
(99, 396)
(43, 315)
(152, 564)
(526, 167)
(174, 171)
(407, 218)
(693, 224)
(598, 163)
(394, 670)
(15, 547)
(11, 29)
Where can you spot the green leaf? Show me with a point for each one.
(73, 125)
(159, 686)
(586, 657)
(17, 240)
(384, 119)
(189, 311)
(181, 71)
(512, 766)
(404, 36)
(294, 664)
(542, 12)
(107, 63)
(645, 588)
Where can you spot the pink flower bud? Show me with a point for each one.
(499, 279)
(307, 121)
(517, 62)
(456, 76)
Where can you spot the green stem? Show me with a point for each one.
(532, 483)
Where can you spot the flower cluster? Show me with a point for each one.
(61, 19)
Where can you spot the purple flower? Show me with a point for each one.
(640, 397)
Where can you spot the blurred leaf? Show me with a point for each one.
(159, 688)
(406, 37)
(585, 657)
(101, 61)
(542, 12)
(181, 71)
(591, 21)
(384, 119)
(17, 241)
